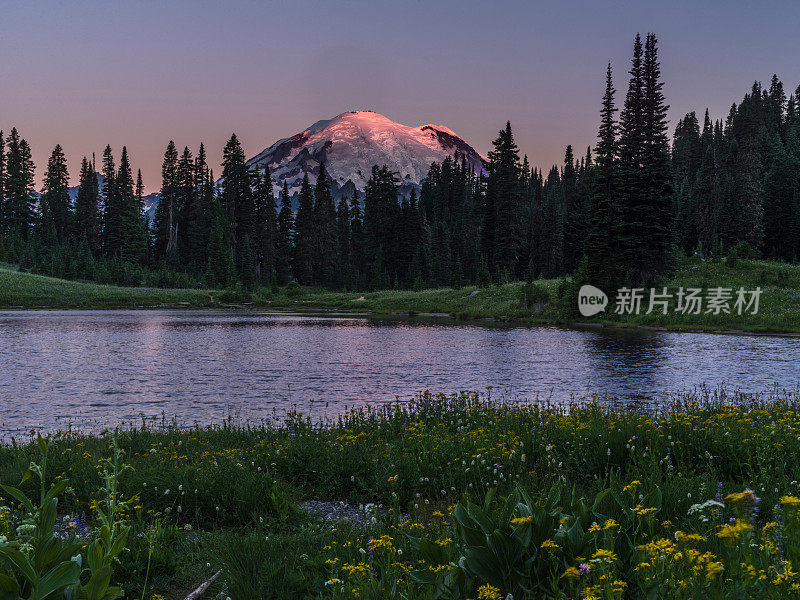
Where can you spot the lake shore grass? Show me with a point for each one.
(29, 291)
(481, 497)
(779, 308)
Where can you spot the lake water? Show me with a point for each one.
(100, 368)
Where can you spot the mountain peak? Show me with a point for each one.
(352, 142)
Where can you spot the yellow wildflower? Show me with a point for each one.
(689, 537)
(745, 496)
(713, 569)
(786, 574)
(489, 592)
(632, 486)
(603, 554)
(734, 531)
(571, 573)
(642, 511)
(791, 501)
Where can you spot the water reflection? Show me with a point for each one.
(108, 366)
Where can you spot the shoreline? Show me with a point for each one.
(434, 317)
(501, 305)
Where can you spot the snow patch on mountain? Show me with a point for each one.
(352, 143)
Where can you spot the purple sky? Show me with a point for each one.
(84, 74)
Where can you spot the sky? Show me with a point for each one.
(87, 74)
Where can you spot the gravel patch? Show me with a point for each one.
(339, 510)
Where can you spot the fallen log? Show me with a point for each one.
(201, 590)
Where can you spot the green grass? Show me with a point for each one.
(226, 497)
(779, 309)
(25, 290)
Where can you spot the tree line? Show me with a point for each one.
(619, 214)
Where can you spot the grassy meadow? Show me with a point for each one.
(26, 290)
(546, 301)
(462, 496)
(554, 301)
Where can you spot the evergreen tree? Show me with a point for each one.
(502, 239)
(112, 208)
(237, 198)
(55, 202)
(357, 242)
(656, 192)
(575, 214)
(630, 202)
(781, 210)
(706, 203)
(381, 216)
(266, 228)
(185, 203)
(324, 241)
(198, 217)
(19, 205)
(284, 251)
(133, 246)
(746, 191)
(304, 233)
(552, 226)
(343, 249)
(87, 208)
(687, 153)
(601, 242)
(221, 269)
(166, 216)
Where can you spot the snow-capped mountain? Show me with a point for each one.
(352, 142)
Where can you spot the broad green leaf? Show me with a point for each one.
(19, 495)
(64, 575)
(8, 585)
(98, 584)
(20, 562)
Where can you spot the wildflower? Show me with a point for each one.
(689, 537)
(549, 544)
(610, 524)
(571, 573)
(604, 555)
(522, 520)
(632, 486)
(786, 574)
(713, 569)
(489, 592)
(791, 501)
(734, 531)
(642, 511)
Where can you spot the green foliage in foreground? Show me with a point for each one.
(38, 560)
(475, 496)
